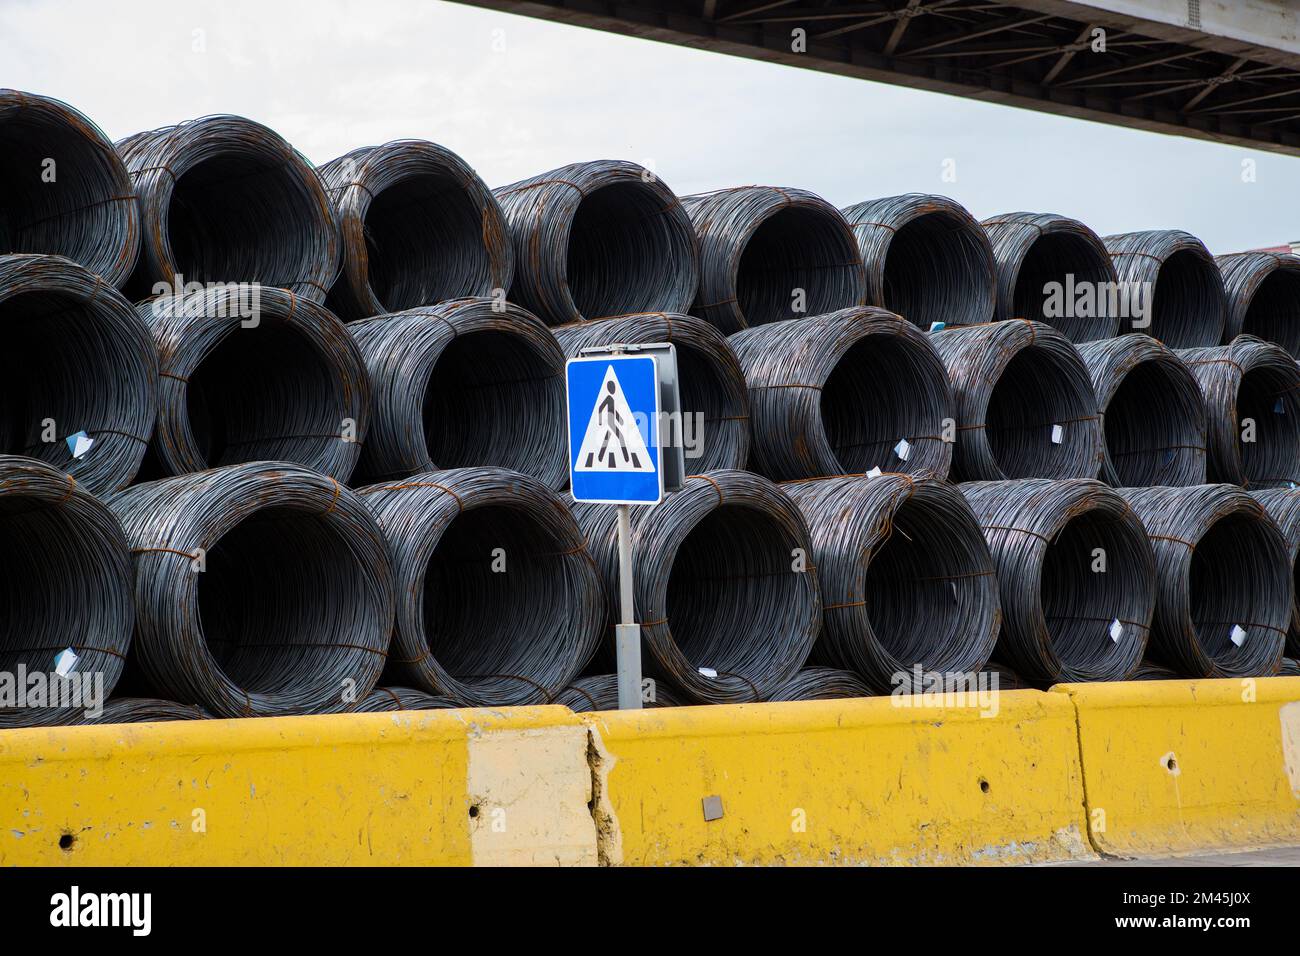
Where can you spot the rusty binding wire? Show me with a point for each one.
(417, 226)
(261, 590)
(715, 402)
(1283, 506)
(821, 683)
(600, 692)
(226, 200)
(598, 239)
(1076, 575)
(67, 192)
(844, 393)
(146, 710)
(1055, 270)
(78, 372)
(383, 699)
(1263, 290)
(1173, 288)
(768, 254)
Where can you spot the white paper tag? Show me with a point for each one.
(79, 444)
(708, 672)
(65, 661)
(1116, 630)
(903, 450)
(1058, 434)
(874, 473)
(1279, 408)
(938, 326)
(1238, 635)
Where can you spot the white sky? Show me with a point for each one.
(331, 75)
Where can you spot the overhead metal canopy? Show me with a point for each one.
(1224, 70)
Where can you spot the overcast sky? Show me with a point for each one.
(516, 96)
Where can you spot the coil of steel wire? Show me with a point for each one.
(1152, 412)
(499, 602)
(1252, 400)
(78, 373)
(725, 585)
(1225, 590)
(1149, 671)
(261, 590)
(145, 710)
(1000, 677)
(67, 192)
(907, 581)
(600, 692)
(768, 254)
(1170, 287)
(1055, 270)
(65, 596)
(715, 403)
(469, 382)
(1263, 290)
(1290, 667)
(226, 200)
(926, 258)
(821, 683)
(844, 393)
(383, 699)
(598, 239)
(1025, 403)
(1076, 576)
(417, 226)
(1283, 506)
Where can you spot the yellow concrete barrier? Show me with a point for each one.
(1173, 767)
(435, 787)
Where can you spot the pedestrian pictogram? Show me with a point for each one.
(613, 441)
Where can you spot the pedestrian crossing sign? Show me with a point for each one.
(613, 408)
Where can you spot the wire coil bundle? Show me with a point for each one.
(261, 590)
(1076, 575)
(1025, 403)
(417, 226)
(67, 192)
(844, 393)
(599, 239)
(821, 683)
(270, 378)
(600, 692)
(384, 699)
(224, 199)
(1263, 290)
(77, 359)
(1283, 506)
(1153, 415)
(1252, 400)
(1055, 270)
(1225, 592)
(907, 580)
(715, 402)
(725, 585)
(1290, 667)
(499, 601)
(146, 710)
(469, 382)
(769, 254)
(1173, 287)
(926, 258)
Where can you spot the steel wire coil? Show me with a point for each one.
(1263, 290)
(598, 239)
(1225, 591)
(907, 580)
(1283, 506)
(821, 683)
(67, 192)
(499, 600)
(844, 393)
(768, 254)
(926, 258)
(77, 361)
(1252, 400)
(66, 586)
(226, 200)
(1290, 668)
(1076, 576)
(146, 710)
(383, 699)
(1152, 412)
(715, 402)
(1040, 255)
(469, 382)
(1148, 671)
(725, 587)
(1172, 286)
(600, 692)
(261, 590)
(417, 226)
(1006, 678)
(1025, 403)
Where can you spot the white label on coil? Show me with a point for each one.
(79, 444)
(874, 473)
(65, 661)
(1238, 635)
(903, 450)
(953, 585)
(708, 672)
(1279, 408)
(938, 326)
(1116, 630)
(1058, 434)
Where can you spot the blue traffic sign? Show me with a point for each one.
(614, 429)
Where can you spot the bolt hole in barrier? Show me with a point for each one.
(844, 393)
(926, 258)
(76, 359)
(1025, 403)
(770, 254)
(499, 602)
(67, 584)
(594, 240)
(1263, 290)
(418, 226)
(907, 579)
(1283, 506)
(1177, 281)
(725, 585)
(1225, 592)
(1076, 577)
(463, 383)
(262, 590)
(1035, 251)
(1153, 414)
